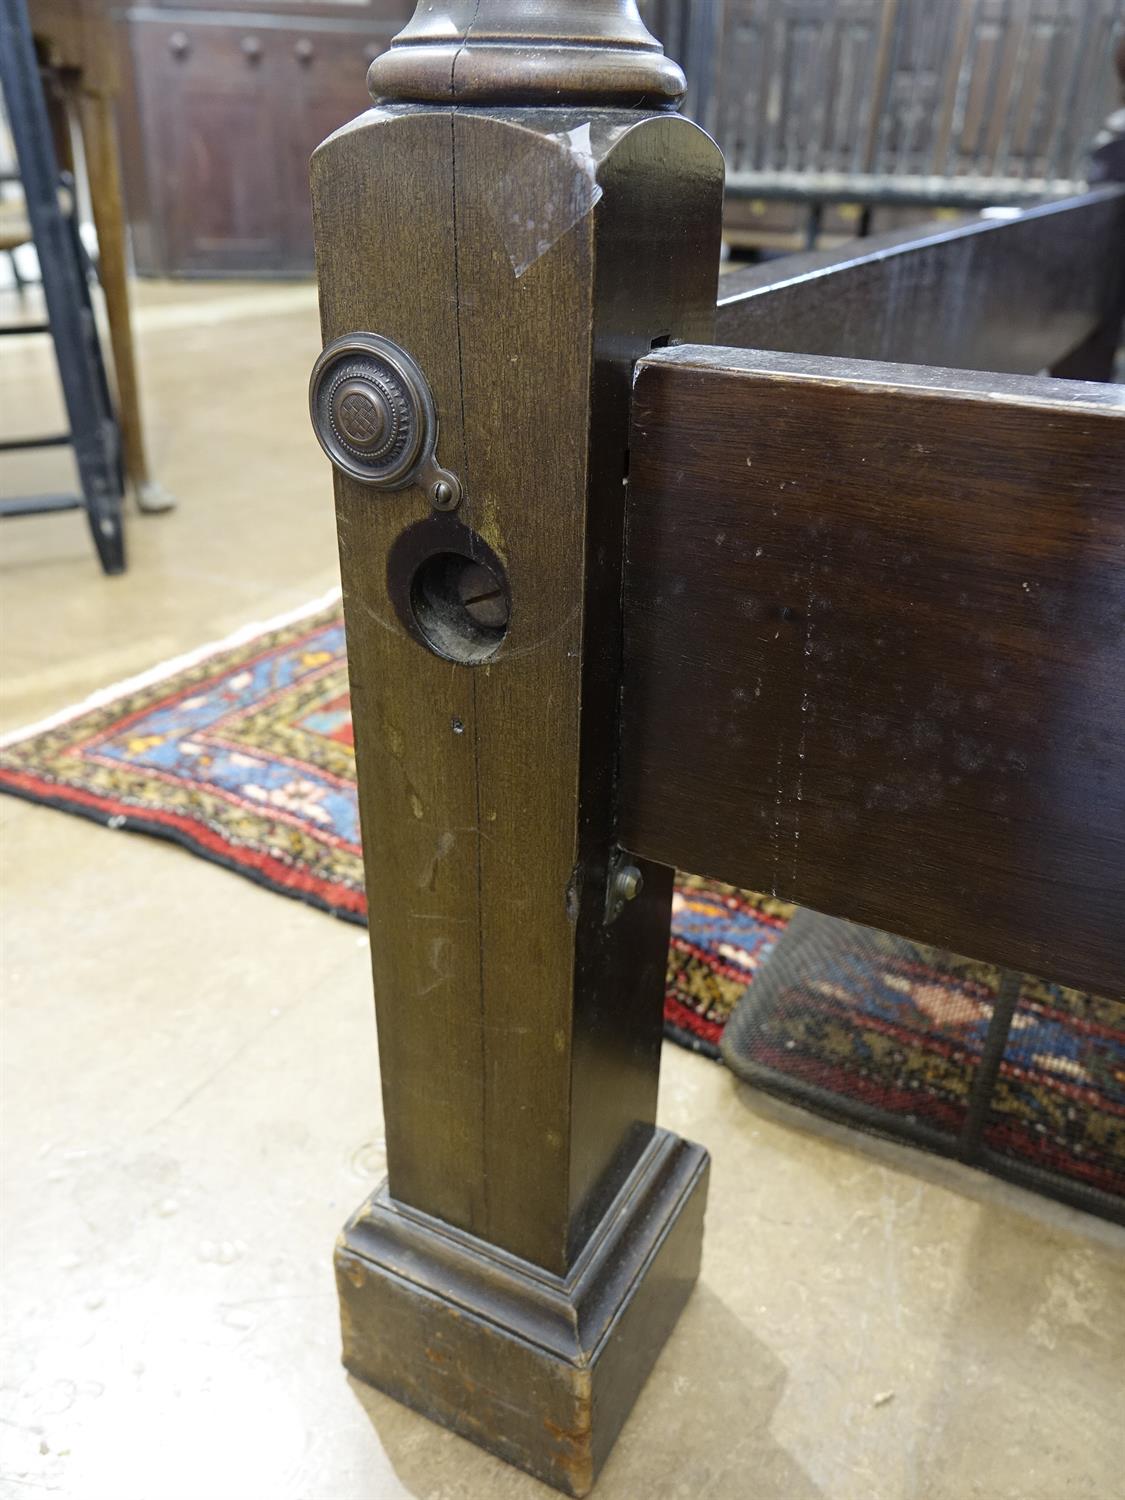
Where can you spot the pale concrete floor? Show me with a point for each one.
(190, 1109)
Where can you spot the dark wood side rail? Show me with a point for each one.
(1017, 295)
(875, 647)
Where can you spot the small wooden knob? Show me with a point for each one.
(251, 48)
(304, 51)
(179, 44)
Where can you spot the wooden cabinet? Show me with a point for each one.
(222, 115)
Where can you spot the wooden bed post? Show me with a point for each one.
(519, 219)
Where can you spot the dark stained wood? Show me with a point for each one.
(230, 106)
(876, 102)
(554, 52)
(525, 261)
(1014, 295)
(386, 262)
(875, 630)
(323, 87)
(519, 1034)
(218, 174)
(546, 709)
(863, 647)
(542, 1369)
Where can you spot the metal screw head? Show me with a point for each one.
(482, 596)
(624, 884)
(443, 495)
(458, 602)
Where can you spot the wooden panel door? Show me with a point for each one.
(228, 110)
(215, 173)
(326, 86)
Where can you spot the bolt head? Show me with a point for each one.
(482, 595)
(629, 882)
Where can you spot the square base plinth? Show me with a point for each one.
(541, 1370)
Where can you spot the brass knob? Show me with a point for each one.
(363, 414)
(374, 416)
(179, 44)
(304, 51)
(369, 414)
(251, 48)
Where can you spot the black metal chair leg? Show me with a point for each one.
(94, 431)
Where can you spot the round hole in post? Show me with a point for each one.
(449, 589)
(460, 606)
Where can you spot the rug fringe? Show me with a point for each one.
(169, 668)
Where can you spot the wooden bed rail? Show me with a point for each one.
(875, 647)
(1036, 292)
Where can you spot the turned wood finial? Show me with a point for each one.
(527, 52)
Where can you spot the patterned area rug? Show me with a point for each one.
(243, 753)
(1000, 1070)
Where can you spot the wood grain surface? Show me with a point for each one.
(525, 262)
(875, 648)
(1012, 295)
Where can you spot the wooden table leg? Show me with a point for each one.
(518, 1273)
(99, 138)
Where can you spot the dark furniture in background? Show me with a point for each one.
(226, 107)
(839, 115)
(835, 116)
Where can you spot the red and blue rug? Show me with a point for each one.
(243, 753)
